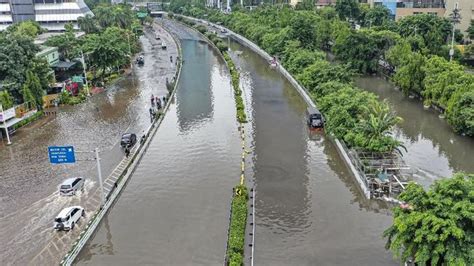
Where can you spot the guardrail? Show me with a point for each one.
(124, 177)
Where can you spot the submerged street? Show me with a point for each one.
(29, 186)
(175, 206)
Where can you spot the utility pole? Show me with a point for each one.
(5, 125)
(84, 70)
(455, 18)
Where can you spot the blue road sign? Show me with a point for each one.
(61, 154)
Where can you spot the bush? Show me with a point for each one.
(238, 222)
(28, 120)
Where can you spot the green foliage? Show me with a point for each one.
(347, 9)
(359, 50)
(28, 120)
(17, 52)
(433, 29)
(238, 221)
(26, 28)
(34, 91)
(460, 112)
(470, 30)
(67, 45)
(376, 16)
(321, 72)
(66, 98)
(410, 74)
(6, 100)
(120, 15)
(437, 227)
(87, 24)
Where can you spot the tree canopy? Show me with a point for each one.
(435, 227)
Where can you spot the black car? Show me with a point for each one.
(128, 140)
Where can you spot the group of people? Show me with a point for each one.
(156, 104)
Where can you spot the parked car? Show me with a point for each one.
(223, 30)
(128, 140)
(70, 186)
(68, 217)
(163, 45)
(157, 37)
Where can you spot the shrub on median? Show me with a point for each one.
(238, 222)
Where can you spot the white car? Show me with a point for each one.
(163, 45)
(70, 186)
(68, 217)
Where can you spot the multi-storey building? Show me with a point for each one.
(50, 14)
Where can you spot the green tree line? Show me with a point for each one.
(415, 48)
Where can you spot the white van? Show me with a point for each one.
(68, 217)
(70, 186)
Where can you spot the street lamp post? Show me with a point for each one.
(84, 71)
(5, 125)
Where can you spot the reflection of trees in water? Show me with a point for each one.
(194, 95)
(420, 124)
(342, 171)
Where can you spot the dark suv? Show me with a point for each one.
(128, 140)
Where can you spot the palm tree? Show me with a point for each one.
(87, 24)
(377, 123)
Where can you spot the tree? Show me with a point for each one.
(347, 9)
(376, 16)
(359, 50)
(16, 54)
(320, 72)
(6, 100)
(435, 227)
(67, 44)
(433, 29)
(33, 90)
(470, 30)
(108, 49)
(374, 129)
(302, 28)
(28, 28)
(87, 24)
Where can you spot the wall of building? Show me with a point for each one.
(466, 11)
(403, 12)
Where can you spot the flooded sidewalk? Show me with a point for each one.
(29, 183)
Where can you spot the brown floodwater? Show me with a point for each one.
(309, 210)
(29, 183)
(434, 150)
(175, 208)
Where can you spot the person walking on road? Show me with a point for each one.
(127, 152)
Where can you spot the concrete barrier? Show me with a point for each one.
(304, 94)
(122, 181)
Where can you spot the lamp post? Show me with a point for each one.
(5, 124)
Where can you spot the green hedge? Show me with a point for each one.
(30, 119)
(238, 222)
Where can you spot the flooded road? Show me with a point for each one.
(309, 210)
(29, 183)
(174, 210)
(434, 149)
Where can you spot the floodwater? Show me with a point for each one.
(28, 187)
(309, 210)
(434, 150)
(175, 208)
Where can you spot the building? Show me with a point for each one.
(412, 7)
(50, 14)
(466, 8)
(50, 54)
